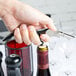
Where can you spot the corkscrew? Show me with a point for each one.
(41, 31)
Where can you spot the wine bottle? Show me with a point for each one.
(13, 63)
(1, 70)
(43, 63)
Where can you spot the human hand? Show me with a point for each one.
(24, 21)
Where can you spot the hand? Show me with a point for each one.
(24, 21)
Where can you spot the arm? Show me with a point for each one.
(15, 13)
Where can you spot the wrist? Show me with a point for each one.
(6, 5)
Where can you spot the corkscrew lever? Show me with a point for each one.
(43, 31)
(66, 34)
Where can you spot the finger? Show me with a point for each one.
(33, 35)
(17, 35)
(10, 22)
(24, 34)
(44, 37)
(48, 24)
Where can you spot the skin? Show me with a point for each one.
(24, 20)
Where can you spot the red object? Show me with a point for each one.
(13, 44)
(23, 51)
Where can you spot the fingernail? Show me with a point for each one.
(31, 28)
(18, 41)
(36, 41)
(24, 26)
(53, 28)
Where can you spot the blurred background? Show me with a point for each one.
(62, 55)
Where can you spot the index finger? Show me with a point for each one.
(48, 24)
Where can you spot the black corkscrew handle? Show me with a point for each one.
(42, 31)
(13, 63)
(1, 70)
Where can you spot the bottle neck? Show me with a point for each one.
(43, 62)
